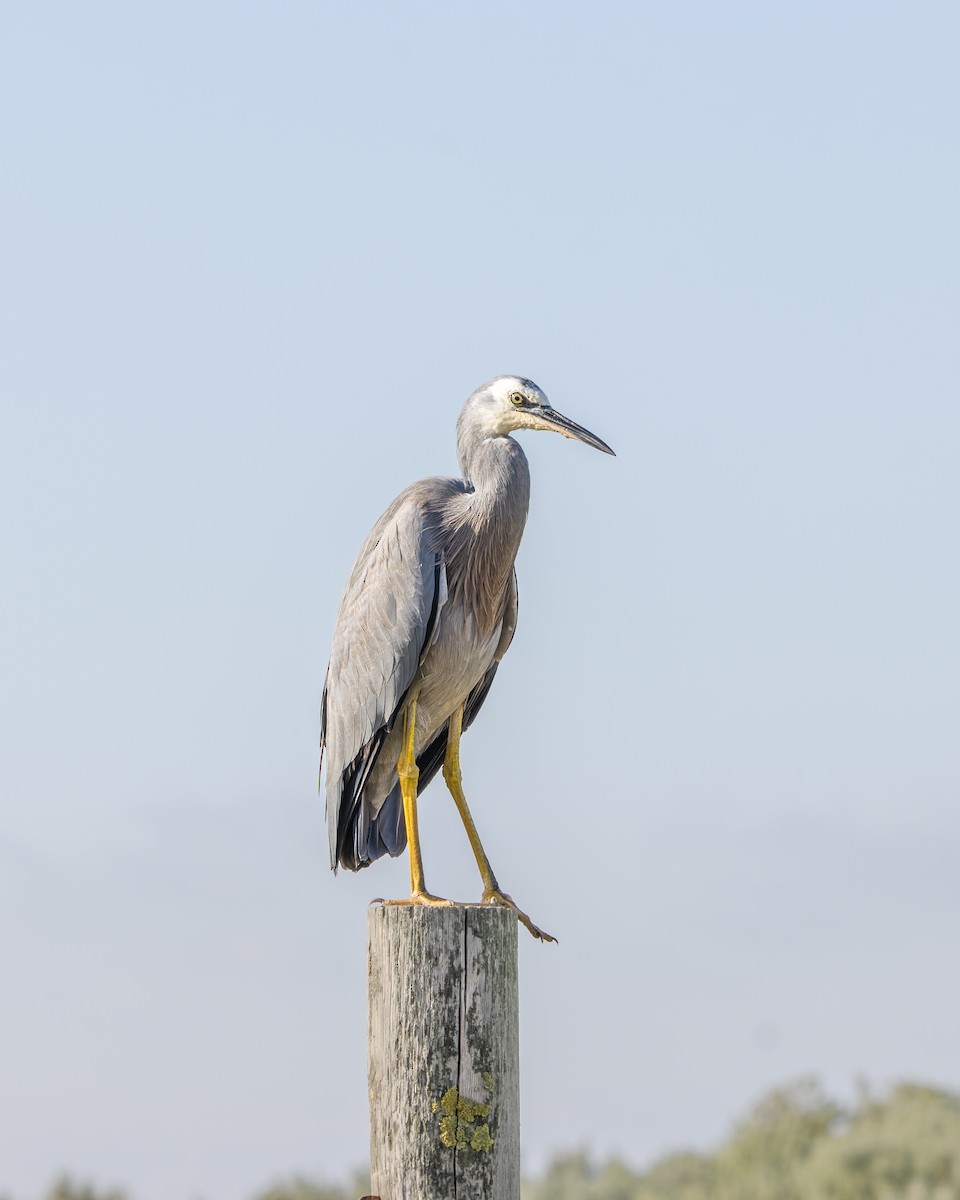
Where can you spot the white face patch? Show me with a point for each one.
(503, 422)
(505, 417)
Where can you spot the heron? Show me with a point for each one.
(427, 614)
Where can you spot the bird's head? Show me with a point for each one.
(509, 403)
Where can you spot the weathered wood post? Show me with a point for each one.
(443, 1053)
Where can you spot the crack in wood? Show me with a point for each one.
(443, 1035)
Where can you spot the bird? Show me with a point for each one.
(427, 614)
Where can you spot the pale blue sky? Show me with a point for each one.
(254, 257)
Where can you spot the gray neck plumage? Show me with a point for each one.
(492, 519)
(496, 469)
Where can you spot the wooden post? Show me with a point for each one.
(443, 1053)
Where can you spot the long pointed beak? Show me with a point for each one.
(549, 418)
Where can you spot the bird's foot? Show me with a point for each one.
(502, 900)
(423, 898)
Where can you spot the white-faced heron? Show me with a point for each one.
(427, 614)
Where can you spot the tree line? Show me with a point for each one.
(797, 1143)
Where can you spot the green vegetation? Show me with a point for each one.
(796, 1144)
(66, 1188)
(303, 1189)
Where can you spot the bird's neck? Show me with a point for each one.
(486, 531)
(496, 469)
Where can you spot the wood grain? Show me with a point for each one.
(443, 1053)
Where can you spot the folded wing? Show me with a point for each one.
(387, 617)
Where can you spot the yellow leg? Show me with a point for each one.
(492, 893)
(409, 773)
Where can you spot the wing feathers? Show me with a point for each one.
(387, 618)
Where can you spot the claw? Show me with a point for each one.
(502, 900)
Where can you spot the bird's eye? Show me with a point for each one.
(516, 399)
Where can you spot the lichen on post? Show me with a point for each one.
(443, 1053)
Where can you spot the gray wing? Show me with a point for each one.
(387, 617)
